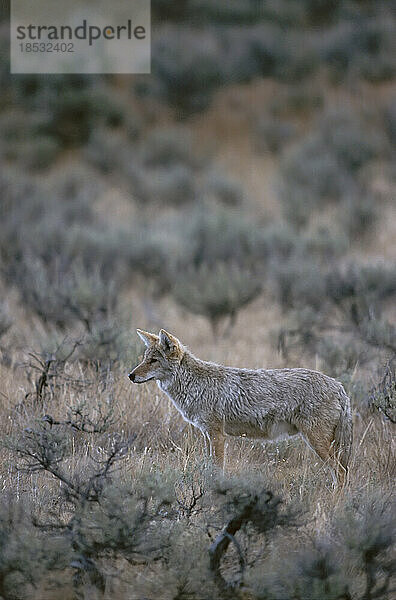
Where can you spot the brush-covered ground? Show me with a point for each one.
(243, 198)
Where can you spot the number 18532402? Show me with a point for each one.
(46, 47)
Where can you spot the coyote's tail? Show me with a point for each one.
(343, 432)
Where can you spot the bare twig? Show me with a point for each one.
(219, 547)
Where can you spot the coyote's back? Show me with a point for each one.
(263, 403)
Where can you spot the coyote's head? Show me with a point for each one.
(162, 356)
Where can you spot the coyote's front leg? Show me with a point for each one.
(217, 441)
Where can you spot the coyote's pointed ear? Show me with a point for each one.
(148, 338)
(169, 343)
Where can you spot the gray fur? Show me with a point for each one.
(263, 403)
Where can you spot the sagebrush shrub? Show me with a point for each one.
(272, 134)
(359, 49)
(216, 291)
(224, 188)
(5, 319)
(221, 235)
(383, 395)
(322, 169)
(28, 555)
(172, 185)
(64, 293)
(74, 105)
(164, 147)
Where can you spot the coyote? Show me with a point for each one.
(262, 403)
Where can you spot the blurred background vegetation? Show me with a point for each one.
(243, 196)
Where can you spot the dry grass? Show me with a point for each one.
(161, 440)
(164, 441)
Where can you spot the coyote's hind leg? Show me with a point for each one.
(323, 448)
(340, 470)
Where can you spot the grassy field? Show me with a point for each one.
(168, 456)
(247, 207)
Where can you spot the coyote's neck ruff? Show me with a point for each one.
(262, 403)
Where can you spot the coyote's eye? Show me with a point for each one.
(152, 361)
